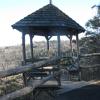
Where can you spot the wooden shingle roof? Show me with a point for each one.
(48, 18)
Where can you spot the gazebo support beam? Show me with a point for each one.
(31, 45)
(23, 47)
(24, 56)
(78, 52)
(48, 38)
(71, 45)
(59, 54)
(59, 50)
(77, 42)
(70, 38)
(47, 43)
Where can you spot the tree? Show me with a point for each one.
(93, 25)
(90, 44)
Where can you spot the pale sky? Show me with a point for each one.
(12, 11)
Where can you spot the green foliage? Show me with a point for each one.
(92, 41)
(90, 44)
(93, 23)
(93, 26)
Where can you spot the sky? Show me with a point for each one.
(12, 11)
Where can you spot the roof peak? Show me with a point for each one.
(50, 1)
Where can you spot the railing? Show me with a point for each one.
(93, 54)
(22, 69)
(90, 72)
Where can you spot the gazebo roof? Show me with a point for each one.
(47, 20)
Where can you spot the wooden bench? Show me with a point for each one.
(39, 73)
(36, 74)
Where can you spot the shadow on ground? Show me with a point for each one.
(91, 92)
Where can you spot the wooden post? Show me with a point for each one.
(47, 43)
(68, 36)
(78, 52)
(59, 50)
(59, 55)
(23, 47)
(77, 42)
(71, 45)
(31, 45)
(48, 38)
(24, 57)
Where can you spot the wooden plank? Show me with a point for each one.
(21, 69)
(37, 74)
(90, 66)
(25, 90)
(35, 60)
(92, 54)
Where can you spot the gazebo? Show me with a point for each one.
(48, 21)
